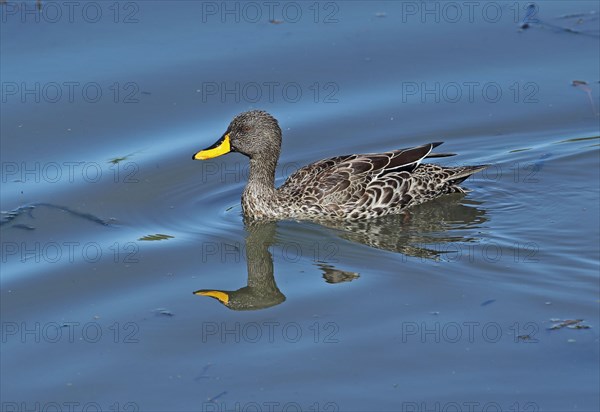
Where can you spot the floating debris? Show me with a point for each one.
(583, 86)
(158, 236)
(214, 398)
(577, 19)
(274, 21)
(117, 160)
(488, 302)
(524, 337)
(163, 312)
(568, 323)
(579, 139)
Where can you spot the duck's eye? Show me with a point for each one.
(246, 128)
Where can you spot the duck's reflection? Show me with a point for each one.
(261, 291)
(333, 275)
(424, 231)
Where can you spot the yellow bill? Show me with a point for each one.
(221, 147)
(221, 296)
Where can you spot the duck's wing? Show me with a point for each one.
(343, 179)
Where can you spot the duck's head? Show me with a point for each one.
(255, 134)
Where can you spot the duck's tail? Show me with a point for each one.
(430, 155)
(457, 175)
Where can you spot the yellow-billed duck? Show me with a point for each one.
(355, 186)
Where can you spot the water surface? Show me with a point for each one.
(109, 227)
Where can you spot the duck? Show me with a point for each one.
(347, 187)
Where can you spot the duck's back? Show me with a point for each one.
(370, 185)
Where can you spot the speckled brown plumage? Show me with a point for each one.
(354, 186)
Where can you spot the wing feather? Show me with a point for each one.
(357, 179)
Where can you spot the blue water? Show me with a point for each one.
(109, 226)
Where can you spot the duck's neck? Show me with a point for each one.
(259, 196)
(262, 173)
